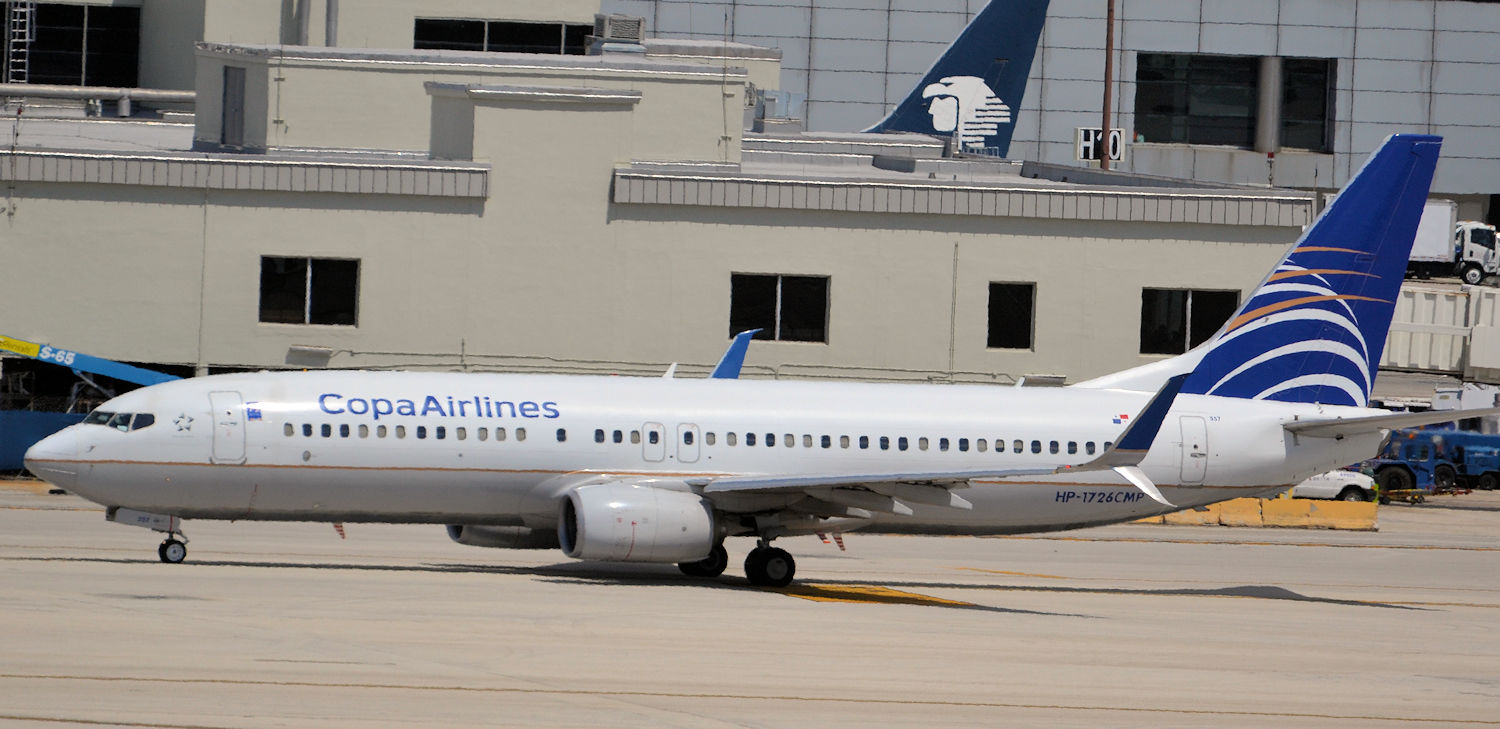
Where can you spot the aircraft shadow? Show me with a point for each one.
(1256, 592)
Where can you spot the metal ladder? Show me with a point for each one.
(20, 33)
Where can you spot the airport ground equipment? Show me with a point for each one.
(1445, 246)
(19, 429)
(1417, 463)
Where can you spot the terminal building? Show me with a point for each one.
(383, 185)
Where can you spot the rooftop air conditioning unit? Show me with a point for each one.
(619, 28)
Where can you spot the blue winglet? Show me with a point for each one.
(734, 357)
(1143, 429)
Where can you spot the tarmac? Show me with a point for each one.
(288, 625)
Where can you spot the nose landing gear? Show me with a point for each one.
(172, 551)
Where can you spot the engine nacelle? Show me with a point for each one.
(503, 537)
(631, 522)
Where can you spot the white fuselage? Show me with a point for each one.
(501, 449)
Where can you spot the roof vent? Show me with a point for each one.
(619, 28)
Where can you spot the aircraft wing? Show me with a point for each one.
(918, 486)
(1340, 427)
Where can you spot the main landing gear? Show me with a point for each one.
(766, 566)
(769, 566)
(711, 566)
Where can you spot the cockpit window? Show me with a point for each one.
(123, 422)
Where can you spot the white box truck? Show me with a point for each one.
(1446, 247)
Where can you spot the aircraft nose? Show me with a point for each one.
(53, 459)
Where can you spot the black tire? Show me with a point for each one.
(1394, 478)
(1488, 482)
(172, 551)
(711, 566)
(1472, 274)
(1444, 476)
(770, 567)
(1353, 493)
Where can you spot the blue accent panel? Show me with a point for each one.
(1142, 431)
(1314, 329)
(734, 357)
(974, 89)
(21, 429)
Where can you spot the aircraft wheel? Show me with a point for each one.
(172, 551)
(711, 566)
(770, 567)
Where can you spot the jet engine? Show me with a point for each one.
(503, 537)
(636, 522)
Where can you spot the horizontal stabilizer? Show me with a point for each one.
(1339, 427)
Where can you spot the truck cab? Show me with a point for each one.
(1474, 249)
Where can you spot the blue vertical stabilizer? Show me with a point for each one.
(974, 90)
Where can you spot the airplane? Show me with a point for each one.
(665, 470)
(973, 91)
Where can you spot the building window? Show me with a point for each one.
(783, 308)
(501, 36)
(1011, 307)
(1307, 103)
(308, 290)
(1196, 99)
(1176, 320)
(76, 44)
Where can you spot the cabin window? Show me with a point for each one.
(327, 430)
(635, 437)
(687, 437)
(421, 432)
(943, 444)
(1072, 447)
(843, 441)
(980, 444)
(1036, 446)
(401, 431)
(791, 441)
(380, 431)
(499, 434)
(482, 434)
(922, 443)
(598, 435)
(289, 430)
(1052, 447)
(783, 308)
(653, 437)
(520, 434)
(806, 441)
(343, 430)
(864, 442)
(440, 432)
(963, 445)
(619, 436)
(1108, 445)
(364, 431)
(731, 438)
(749, 439)
(1089, 448)
(1019, 446)
(562, 435)
(709, 438)
(901, 443)
(885, 442)
(461, 433)
(307, 430)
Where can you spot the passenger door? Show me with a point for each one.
(229, 427)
